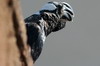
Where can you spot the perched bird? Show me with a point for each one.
(50, 18)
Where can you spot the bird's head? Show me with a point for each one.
(66, 12)
(62, 9)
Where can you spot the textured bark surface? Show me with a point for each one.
(13, 47)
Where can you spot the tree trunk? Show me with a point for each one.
(14, 50)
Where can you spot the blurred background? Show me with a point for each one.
(78, 44)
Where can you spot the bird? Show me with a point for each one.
(50, 18)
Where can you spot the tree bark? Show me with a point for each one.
(14, 50)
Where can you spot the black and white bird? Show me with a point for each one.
(52, 17)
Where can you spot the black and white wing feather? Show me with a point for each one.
(35, 35)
